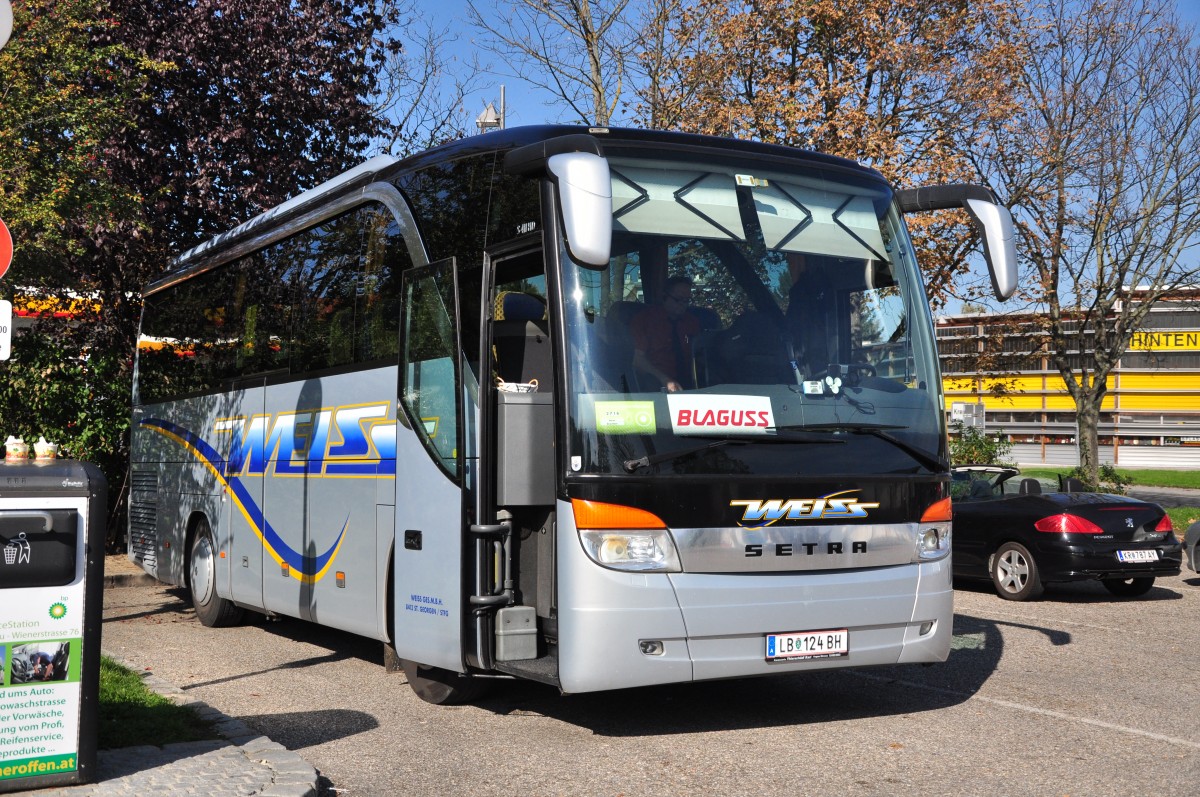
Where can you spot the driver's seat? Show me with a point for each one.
(751, 351)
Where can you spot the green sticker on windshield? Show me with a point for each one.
(625, 417)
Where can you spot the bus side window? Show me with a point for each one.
(429, 389)
(345, 305)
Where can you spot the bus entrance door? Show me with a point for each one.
(427, 597)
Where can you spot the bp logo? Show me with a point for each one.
(58, 611)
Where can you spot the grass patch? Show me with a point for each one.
(133, 714)
(1142, 478)
(1166, 478)
(1182, 517)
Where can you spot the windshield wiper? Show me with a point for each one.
(882, 431)
(653, 459)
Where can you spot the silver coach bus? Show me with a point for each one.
(428, 402)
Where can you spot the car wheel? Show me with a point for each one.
(212, 610)
(1128, 587)
(1014, 573)
(441, 687)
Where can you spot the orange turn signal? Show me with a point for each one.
(599, 515)
(939, 512)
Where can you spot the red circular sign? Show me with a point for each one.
(5, 248)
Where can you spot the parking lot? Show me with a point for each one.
(1078, 693)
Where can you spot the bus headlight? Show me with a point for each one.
(645, 550)
(933, 532)
(933, 541)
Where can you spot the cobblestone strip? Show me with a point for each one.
(242, 764)
(290, 775)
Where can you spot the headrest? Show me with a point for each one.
(707, 317)
(624, 311)
(1030, 487)
(1072, 485)
(517, 306)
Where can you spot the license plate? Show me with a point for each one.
(808, 645)
(1137, 556)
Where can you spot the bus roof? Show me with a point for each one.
(386, 166)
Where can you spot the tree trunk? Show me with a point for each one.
(1087, 417)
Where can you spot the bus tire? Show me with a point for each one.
(213, 611)
(441, 687)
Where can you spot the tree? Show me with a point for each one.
(52, 135)
(179, 120)
(54, 126)
(654, 61)
(422, 87)
(898, 84)
(1101, 166)
(570, 48)
(970, 446)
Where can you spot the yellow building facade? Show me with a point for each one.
(1150, 417)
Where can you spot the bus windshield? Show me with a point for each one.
(752, 320)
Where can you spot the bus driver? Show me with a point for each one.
(662, 337)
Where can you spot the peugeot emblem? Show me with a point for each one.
(1128, 522)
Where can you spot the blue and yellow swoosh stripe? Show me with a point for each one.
(306, 569)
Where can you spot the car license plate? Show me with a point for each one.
(808, 645)
(1137, 556)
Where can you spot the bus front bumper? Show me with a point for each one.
(620, 629)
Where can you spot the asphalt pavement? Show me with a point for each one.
(242, 762)
(323, 693)
(1077, 693)
(1167, 496)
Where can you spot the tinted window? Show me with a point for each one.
(429, 388)
(326, 297)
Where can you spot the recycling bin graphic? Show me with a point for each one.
(52, 531)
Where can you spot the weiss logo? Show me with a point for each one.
(835, 506)
(704, 414)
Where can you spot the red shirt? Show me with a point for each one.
(651, 330)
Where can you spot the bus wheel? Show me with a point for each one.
(213, 611)
(441, 687)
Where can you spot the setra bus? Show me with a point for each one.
(599, 408)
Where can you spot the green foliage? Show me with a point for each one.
(54, 127)
(1108, 480)
(133, 130)
(80, 401)
(969, 446)
(131, 714)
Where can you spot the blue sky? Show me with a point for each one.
(526, 104)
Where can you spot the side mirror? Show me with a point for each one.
(585, 191)
(576, 166)
(993, 220)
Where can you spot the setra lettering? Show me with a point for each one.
(810, 548)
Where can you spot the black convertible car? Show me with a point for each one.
(1024, 533)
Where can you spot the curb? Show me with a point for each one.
(128, 580)
(291, 775)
